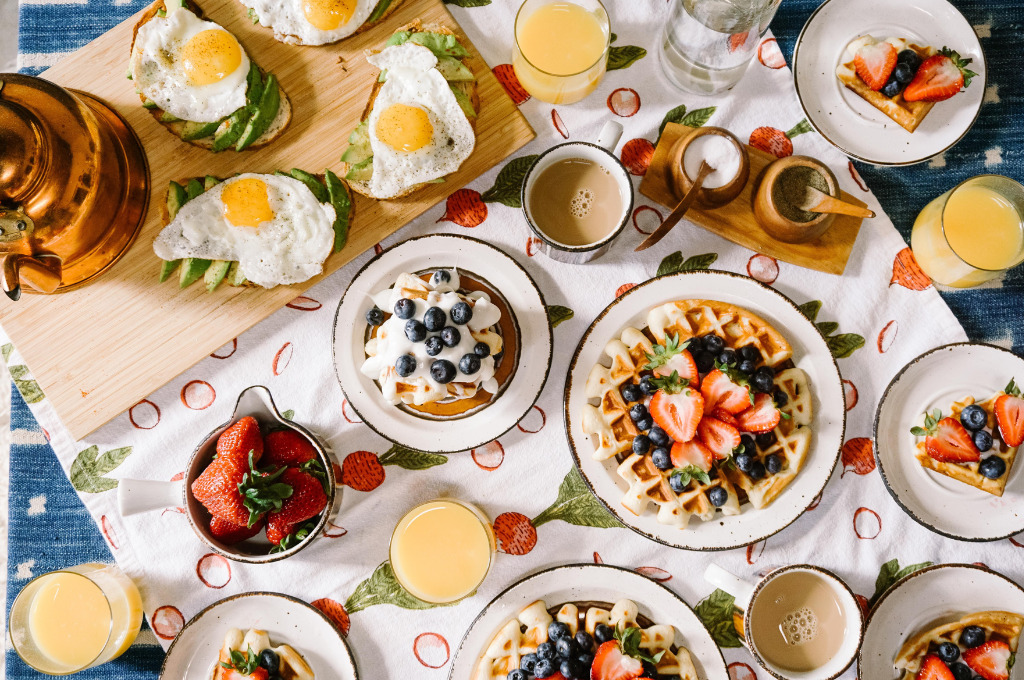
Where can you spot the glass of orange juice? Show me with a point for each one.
(77, 618)
(442, 550)
(972, 233)
(561, 48)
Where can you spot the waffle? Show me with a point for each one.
(606, 417)
(997, 624)
(968, 472)
(521, 636)
(293, 666)
(907, 114)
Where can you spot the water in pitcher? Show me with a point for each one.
(708, 44)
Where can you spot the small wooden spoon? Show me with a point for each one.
(680, 210)
(818, 201)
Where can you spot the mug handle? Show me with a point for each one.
(609, 136)
(739, 588)
(135, 496)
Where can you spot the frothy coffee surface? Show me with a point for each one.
(800, 627)
(575, 201)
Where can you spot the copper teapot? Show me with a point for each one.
(74, 186)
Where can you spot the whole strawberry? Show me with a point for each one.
(306, 501)
(288, 448)
(238, 440)
(229, 534)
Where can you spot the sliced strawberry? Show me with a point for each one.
(725, 417)
(940, 77)
(692, 452)
(611, 664)
(951, 443)
(671, 355)
(720, 438)
(681, 363)
(933, 668)
(720, 391)
(762, 418)
(990, 660)
(1010, 416)
(874, 64)
(677, 412)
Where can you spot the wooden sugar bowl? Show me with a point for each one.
(709, 197)
(782, 184)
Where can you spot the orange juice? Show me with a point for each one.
(441, 551)
(561, 46)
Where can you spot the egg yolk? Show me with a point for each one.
(327, 15)
(210, 55)
(246, 203)
(404, 128)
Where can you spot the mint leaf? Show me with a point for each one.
(508, 185)
(716, 611)
(576, 505)
(558, 314)
(624, 56)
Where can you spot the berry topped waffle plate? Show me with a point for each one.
(704, 410)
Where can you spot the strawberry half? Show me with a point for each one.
(950, 442)
(693, 453)
(721, 391)
(725, 417)
(940, 77)
(874, 64)
(720, 438)
(611, 664)
(1010, 415)
(764, 417)
(676, 407)
(672, 357)
(990, 660)
(933, 668)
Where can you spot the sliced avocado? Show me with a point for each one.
(453, 69)
(194, 188)
(128, 74)
(192, 130)
(464, 102)
(313, 183)
(168, 118)
(149, 104)
(215, 273)
(358, 145)
(176, 197)
(228, 133)
(378, 11)
(253, 17)
(174, 4)
(234, 276)
(342, 208)
(440, 44)
(253, 85)
(436, 180)
(167, 268)
(360, 172)
(265, 113)
(191, 269)
(398, 38)
(383, 77)
(161, 12)
(209, 182)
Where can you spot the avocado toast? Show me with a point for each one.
(274, 14)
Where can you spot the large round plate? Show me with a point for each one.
(851, 124)
(810, 353)
(933, 380)
(591, 583)
(287, 620)
(483, 262)
(932, 596)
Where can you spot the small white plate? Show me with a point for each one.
(933, 380)
(591, 583)
(287, 620)
(851, 124)
(810, 353)
(482, 262)
(930, 597)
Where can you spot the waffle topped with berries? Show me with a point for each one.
(703, 410)
(983, 643)
(250, 656)
(584, 641)
(977, 443)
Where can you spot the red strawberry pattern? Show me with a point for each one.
(763, 268)
(465, 208)
(636, 155)
(198, 395)
(755, 550)
(108, 532)
(776, 142)
(856, 177)
(506, 75)
(145, 415)
(533, 421)
(167, 622)
(282, 358)
(623, 288)
(514, 533)
(362, 471)
(223, 352)
(907, 272)
(769, 54)
(741, 671)
(304, 303)
(213, 570)
(431, 650)
(867, 524)
(858, 456)
(850, 394)
(650, 217)
(560, 128)
(490, 456)
(887, 336)
(335, 611)
(654, 573)
(624, 102)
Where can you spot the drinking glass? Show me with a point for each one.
(707, 44)
(77, 618)
(972, 233)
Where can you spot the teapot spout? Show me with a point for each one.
(40, 272)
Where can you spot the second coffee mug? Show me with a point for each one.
(800, 622)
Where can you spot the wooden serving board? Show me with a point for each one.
(735, 221)
(99, 350)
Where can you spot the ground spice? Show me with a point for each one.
(790, 187)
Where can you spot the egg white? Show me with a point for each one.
(290, 25)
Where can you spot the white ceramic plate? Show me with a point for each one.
(930, 597)
(851, 124)
(287, 620)
(482, 262)
(936, 379)
(594, 583)
(810, 353)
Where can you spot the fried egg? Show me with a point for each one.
(271, 225)
(418, 132)
(311, 22)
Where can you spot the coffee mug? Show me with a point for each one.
(599, 153)
(800, 622)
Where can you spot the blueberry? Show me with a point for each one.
(586, 659)
(903, 74)
(442, 371)
(546, 651)
(658, 437)
(637, 412)
(631, 392)
(434, 319)
(676, 482)
(641, 445)
(557, 630)
(517, 674)
(415, 330)
(728, 357)
(713, 343)
(972, 636)
(718, 496)
(603, 633)
(773, 464)
(545, 668)
(747, 367)
(450, 336)
(763, 380)
(748, 444)
(756, 471)
(749, 353)
(948, 652)
(780, 397)
(910, 58)
(661, 458)
(461, 313)
(650, 670)
(584, 641)
(469, 364)
(961, 671)
(528, 663)
(704, 360)
(375, 316)
(565, 668)
(644, 424)
(405, 308)
(973, 417)
(405, 365)
(892, 88)
(992, 467)
(440, 276)
(567, 647)
(765, 439)
(744, 461)
(434, 345)
(579, 669)
(482, 349)
(983, 440)
(646, 386)
(269, 660)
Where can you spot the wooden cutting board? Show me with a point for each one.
(99, 350)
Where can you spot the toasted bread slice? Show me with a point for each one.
(467, 87)
(297, 40)
(177, 127)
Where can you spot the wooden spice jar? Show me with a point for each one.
(711, 195)
(782, 186)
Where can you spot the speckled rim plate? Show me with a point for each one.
(934, 380)
(810, 353)
(591, 582)
(485, 424)
(931, 596)
(848, 122)
(286, 619)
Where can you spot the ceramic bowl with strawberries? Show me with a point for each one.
(258, 489)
